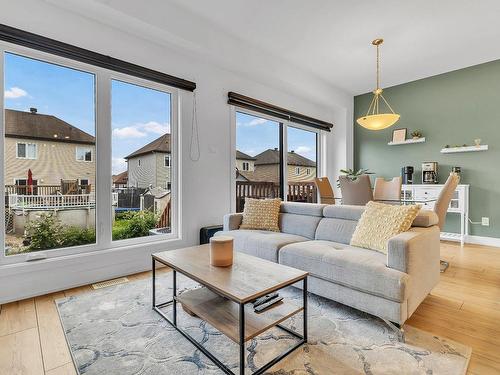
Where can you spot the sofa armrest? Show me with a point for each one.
(414, 251)
(232, 221)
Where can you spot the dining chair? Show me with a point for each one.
(442, 204)
(356, 192)
(326, 195)
(387, 190)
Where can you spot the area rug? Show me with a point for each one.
(114, 331)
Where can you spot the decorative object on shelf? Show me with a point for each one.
(416, 134)
(455, 149)
(353, 174)
(407, 142)
(221, 251)
(399, 135)
(477, 142)
(373, 120)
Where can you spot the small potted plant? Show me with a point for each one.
(353, 174)
(416, 134)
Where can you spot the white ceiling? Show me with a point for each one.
(331, 39)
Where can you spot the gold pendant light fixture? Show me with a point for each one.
(374, 120)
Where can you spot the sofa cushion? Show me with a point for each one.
(380, 222)
(346, 265)
(310, 209)
(261, 214)
(259, 243)
(300, 225)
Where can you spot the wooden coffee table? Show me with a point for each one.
(225, 300)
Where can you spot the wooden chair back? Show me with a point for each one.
(387, 190)
(325, 189)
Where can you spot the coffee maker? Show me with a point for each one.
(407, 175)
(430, 172)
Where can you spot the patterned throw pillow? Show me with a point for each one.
(379, 222)
(261, 214)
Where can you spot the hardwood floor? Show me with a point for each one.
(465, 306)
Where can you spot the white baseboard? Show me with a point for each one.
(475, 240)
(480, 240)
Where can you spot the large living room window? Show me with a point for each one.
(301, 164)
(258, 158)
(261, 166)
(69, 129)
(48, 208)
(142, 137)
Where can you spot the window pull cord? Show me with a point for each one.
(194, 147)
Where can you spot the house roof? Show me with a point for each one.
(272, 156)
(121, 178)
(32, 125)
(243, 156)
(261, 175)
(161, 144)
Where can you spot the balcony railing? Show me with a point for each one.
(51, 202)
(296, 192)
(46, 189)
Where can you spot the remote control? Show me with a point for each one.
(264, 299)
(266, 305)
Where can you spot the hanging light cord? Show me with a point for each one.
(194, 146)
(378, 68)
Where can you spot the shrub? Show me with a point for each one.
(75, 236)
(134, 224)
(45, 233)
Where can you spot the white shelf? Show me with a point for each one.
(408, 141)
(453, 150)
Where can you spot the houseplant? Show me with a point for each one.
(416, 134)
(353, 174)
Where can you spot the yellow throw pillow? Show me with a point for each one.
(261, 214)
(379, 222)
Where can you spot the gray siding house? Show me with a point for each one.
(149, 166)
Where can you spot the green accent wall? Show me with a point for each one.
(450, 109)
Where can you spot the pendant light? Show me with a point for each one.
(374, 120)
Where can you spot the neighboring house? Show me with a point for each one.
(150, 165)
(245, 162)
(120, 181)
(266, 167)
(53, 149)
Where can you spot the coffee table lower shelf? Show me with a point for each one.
(223, 314)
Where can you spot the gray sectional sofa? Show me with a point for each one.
(315, 238)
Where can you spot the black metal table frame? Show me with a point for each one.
(156, 307)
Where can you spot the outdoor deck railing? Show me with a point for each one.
(296, 191)
(50, 202)
(43, 189)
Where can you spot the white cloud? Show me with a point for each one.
(128, 132)
(155, 127)
(14, 93)
(257, 121)
(119, 165)
(303, 150)
(254, 122)
(141, 130)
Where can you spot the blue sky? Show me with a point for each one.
(254, 135)
(139, 115)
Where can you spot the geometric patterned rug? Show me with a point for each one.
(114, 331)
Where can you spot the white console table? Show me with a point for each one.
(459, 205)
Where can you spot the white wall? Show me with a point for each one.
(200, 207)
